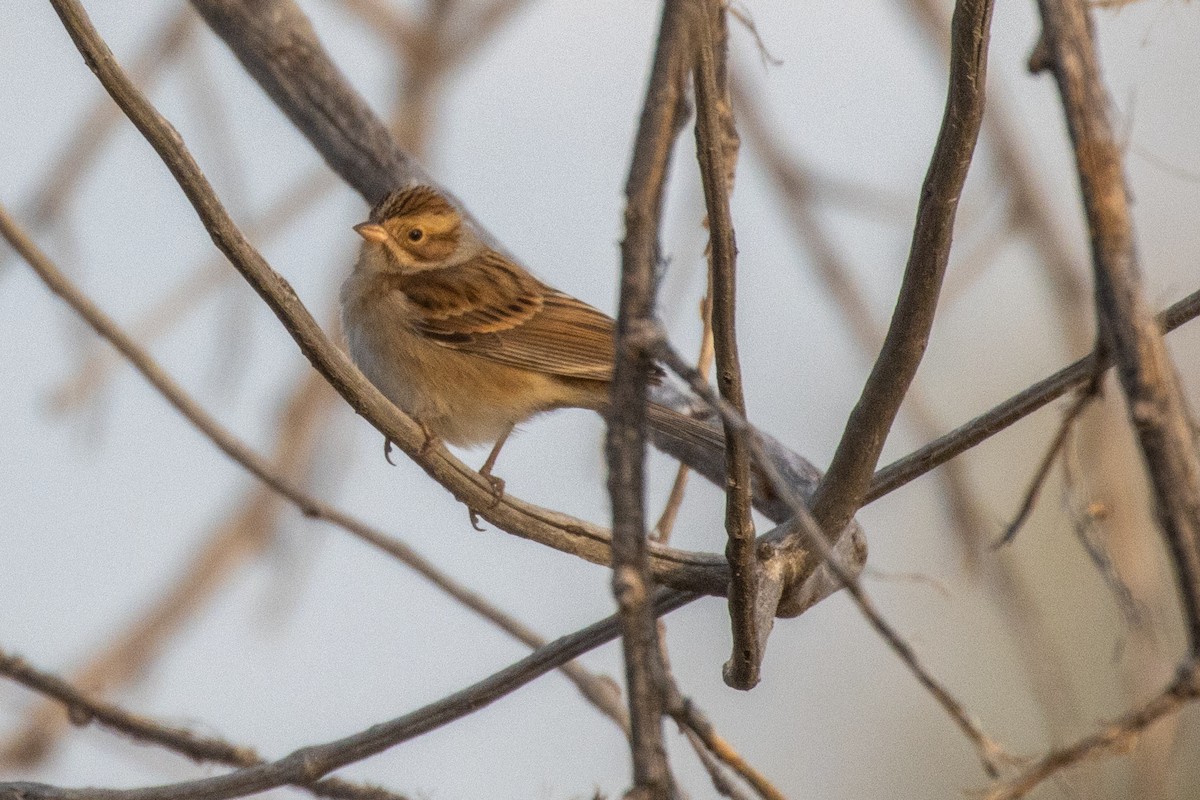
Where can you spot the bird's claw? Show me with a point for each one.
(387, 451)
(497, 485)
(497, 488)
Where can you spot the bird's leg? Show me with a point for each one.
(486, 469)
(486, 472)
(387, 450)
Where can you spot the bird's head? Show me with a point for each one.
(417, 229)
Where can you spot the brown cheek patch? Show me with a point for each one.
(440, 248)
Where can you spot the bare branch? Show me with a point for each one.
(310, 764)
(774, 553)
(666, 521)
(1016, 408)
(716, 149)
(84, 710)
(692, 719)
(1031, 209)
(625, 444)
(276, 44)
(845, 486)
(1048, 459)
(1117, 737)
(1157, 408)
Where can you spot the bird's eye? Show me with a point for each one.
(416, 235)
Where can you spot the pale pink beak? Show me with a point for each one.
(371, 232)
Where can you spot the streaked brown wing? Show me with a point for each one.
(494, 310)
(480, 297)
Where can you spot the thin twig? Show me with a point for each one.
(84, 709)
(1086, 516)
(1014, 409)
(692, 719)
(716, 150)
(1048, 458)
(845, 486)
(718, 773)
(311, 763)
(1157, 408)
(1116, 737)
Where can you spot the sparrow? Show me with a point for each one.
(465, 340)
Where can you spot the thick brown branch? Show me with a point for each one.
(716, 143)
(625, 448)
(276, 44)
(845, 486)
(1157, 408)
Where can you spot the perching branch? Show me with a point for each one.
(597, 690)
(687, 571)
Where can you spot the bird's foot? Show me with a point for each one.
(431, 442)
(497, 484)
(497, 487)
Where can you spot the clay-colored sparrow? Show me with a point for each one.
(466, 341)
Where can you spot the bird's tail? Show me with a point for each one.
(670, 427)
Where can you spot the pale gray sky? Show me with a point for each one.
(323, 636)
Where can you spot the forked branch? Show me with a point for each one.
(844, 489)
